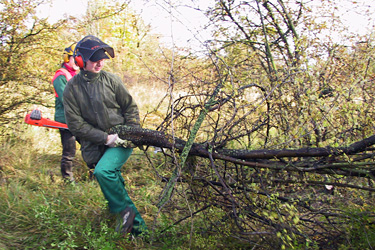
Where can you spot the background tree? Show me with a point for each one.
(31, 51)
(281, 89)
(26, 58)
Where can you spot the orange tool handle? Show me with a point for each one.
(43, 122)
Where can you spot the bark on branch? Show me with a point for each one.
(148, 137)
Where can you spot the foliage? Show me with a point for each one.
(26, 58)
(283, 90)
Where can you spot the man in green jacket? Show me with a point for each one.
(62, 76)
(96, 100)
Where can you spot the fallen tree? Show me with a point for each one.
(256, 158)
(258, 196)
(141, 136)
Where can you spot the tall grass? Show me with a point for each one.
(148, 99)
(39, 211)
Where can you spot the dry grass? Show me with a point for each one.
(40, 211)
(148, 98)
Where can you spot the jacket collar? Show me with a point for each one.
(89, 76)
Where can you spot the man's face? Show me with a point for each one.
(94, 67)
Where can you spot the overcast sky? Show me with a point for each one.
(186, 24)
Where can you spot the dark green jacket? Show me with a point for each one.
(94, 103)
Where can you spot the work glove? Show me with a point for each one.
(114, 141)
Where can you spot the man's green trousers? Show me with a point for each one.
(108, 174)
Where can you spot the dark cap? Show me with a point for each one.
(89, 46)
(99, 55)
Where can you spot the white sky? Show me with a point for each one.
(59, 8)
(185, 27)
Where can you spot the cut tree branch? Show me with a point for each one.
(140, 136)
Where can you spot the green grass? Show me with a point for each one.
(39, 211)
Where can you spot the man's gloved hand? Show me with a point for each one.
(114, 141)
(111, 140)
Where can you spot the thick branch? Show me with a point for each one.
(149, 137)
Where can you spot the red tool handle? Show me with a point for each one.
(43, 122)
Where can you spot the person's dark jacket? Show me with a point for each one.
(94, 103)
